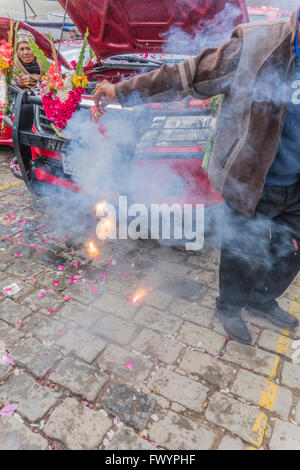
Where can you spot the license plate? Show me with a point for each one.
(69, 165)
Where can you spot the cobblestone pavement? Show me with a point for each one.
(91, 370)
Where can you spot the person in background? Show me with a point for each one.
(29, 68)
(74, 34)
(30, 72)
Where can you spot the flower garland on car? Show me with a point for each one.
(61, 93)
(7, 72)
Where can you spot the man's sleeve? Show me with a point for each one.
(206, 75)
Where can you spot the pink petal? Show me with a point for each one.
(67, 297)
(8, 409)
(55, 283)
(61, 268)
(9, 360)
(102, 276)
(129, 365)
(41, 294)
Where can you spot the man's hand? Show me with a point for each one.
(105, 90)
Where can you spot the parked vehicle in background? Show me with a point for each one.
(267, 13)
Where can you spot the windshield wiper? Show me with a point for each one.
(129, 58)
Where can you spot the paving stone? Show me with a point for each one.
(126, 439)
(81, 314)
(49, 301)
(80, 378)
(152, 318)
(175, 432)
(168, 253)
(50, 259)
(207, 278)
(180, 389)
(16, 436)
(158, 299)
(25, 251)
(211, 370)
(133, 407)
(183, 288)
(82, 344)
(247, 422)
(47, 278)
(115, 329)
(263, 392)
(5, 371)
(173, 268)
(201, 338)
(277, 343)
(34, 401)
(43, 327)
(77, 426)
(203, 261)
(114, 359)
(285, 436)
(110, 303)
(157, 346)
(230, 443)
(12, 312)
(9, 336)
(26, 270)
(82, 293)
(35, 357)
(291, 375)
(261, 362)
(192, 312)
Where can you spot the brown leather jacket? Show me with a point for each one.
(252, 72)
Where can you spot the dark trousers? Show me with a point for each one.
(259, 254)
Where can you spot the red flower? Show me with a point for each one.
(54, 77)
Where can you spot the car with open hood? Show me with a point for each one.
(154, 145)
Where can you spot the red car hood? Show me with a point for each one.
(123, 26)
(41, 41)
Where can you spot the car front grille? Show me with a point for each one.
(42, 123)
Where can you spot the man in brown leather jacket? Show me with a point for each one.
(255, 162)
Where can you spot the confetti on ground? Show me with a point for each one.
(9, 360)
(8, 409)
(129, 365)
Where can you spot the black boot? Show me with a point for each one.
(233, 324)
(274, 314)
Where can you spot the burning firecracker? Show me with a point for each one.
(92, 249)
